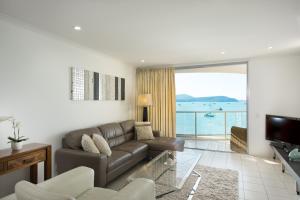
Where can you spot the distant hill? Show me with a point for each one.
(183, 96)
(188, 98)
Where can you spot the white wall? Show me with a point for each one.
(274, 88)
(34, 87)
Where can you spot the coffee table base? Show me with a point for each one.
(194, 189)
(161, 195)
(192, 192)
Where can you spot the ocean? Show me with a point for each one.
(211, 118)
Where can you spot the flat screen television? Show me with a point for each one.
(283, 129)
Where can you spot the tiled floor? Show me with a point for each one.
(217, 145)
(259, 179)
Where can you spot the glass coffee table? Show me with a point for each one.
(169, 170)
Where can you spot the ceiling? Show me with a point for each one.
(168, 31)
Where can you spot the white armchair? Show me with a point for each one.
(78, 184)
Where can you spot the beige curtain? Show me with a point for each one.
(160, 83)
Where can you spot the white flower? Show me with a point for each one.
(5, 118)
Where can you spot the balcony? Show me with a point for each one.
(215, 124)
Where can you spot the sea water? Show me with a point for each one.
(210, 118)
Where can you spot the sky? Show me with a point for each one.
(212, 84)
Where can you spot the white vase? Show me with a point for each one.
(15, 146)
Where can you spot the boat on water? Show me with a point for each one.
(209, 114)
(220, 109)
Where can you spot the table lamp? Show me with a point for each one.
(145, 100)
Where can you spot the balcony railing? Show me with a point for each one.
(209, 123)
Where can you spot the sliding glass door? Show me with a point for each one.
(210, 101)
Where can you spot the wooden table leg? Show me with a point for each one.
(34, 173)
(47, 164)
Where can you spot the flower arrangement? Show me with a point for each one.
(16, 139)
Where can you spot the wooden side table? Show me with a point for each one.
(29, 156)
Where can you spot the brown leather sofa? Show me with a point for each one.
(126, 150)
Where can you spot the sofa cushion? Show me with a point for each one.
(128, 129)
(113, 133)
(140, 124)
(73, 139)
(144, 133)
(127, 126)
(165, 143)
(129, 136)
(101, 144)
(117, 158)
(133, 147)
(88, 144)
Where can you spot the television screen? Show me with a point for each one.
(284, 129)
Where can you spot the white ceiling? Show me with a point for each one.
(168, 31)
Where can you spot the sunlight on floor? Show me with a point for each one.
(217, 145)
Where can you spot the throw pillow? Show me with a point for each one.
(88, 144)
(101, 144)
(144, 133)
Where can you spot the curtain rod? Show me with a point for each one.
(211, 65)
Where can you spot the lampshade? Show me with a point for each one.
(145, 100)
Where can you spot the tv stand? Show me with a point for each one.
(292, 166)
(281, 145)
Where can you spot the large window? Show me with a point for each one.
(210, 102)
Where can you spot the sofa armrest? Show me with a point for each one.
(28, 191)
(72, 183)
(67, 159)
(138, 189)
(10, 197)
(156, 133)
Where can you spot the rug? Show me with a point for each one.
(215, 184)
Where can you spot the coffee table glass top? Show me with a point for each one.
(169, 170)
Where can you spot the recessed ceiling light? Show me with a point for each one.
(77, 28)
(142, 61)
(222, 52)
(270, 48)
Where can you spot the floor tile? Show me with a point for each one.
(251, 195)
(254, 187)
(273, 183)
(241, 194)
(251, 174)
(277, 191)
(255, 180)
(280, 197)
